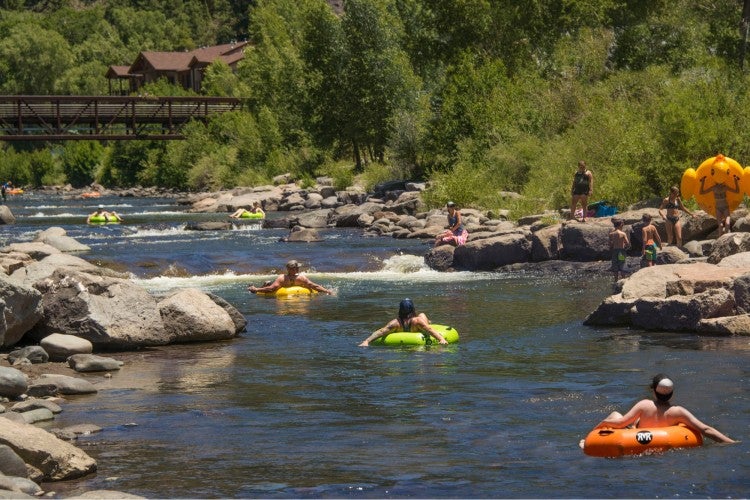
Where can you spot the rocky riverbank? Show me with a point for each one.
(62, 310)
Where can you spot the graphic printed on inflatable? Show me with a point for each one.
(718, 169)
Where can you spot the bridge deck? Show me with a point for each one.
(46, 118)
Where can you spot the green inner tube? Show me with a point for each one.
(418, 338)
(99, 219)
(251, 215)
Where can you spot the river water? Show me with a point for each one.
(294, 409)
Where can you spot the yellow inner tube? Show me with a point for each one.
(286, 291)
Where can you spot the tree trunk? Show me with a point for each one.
(357, 156)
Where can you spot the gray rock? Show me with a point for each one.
(34, 404)
(37, 415)
(21, 310)
(109, 312)
(65, 384)
(13, 382)
(190, 315)
(6, 216)
(60, 346)
(53, 457)
(34, 353)
(10, 463)
(93, 363)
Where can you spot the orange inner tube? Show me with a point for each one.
(618, 442)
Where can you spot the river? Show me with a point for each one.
(294, 409)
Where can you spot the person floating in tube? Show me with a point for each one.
(407, 321)
(108, 216)
(292, 277)
(659, 412)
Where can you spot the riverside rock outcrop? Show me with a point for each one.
(51, 292)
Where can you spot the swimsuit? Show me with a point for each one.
(618, 259)
(651, 250)
(674, 219)
(581, 184)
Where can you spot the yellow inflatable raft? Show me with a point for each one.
(718, 169)
(286, 291)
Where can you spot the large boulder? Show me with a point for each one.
(190, 315)
(585, 242)
(44, 266)
(6, 216)
(58, 238)
(545, 243)
(681, 312)
(729, 244)
(491, 253)
(240, 322)
(348, 215)
(111, 313)
(21, 308)
(56, 459)
(440, 258)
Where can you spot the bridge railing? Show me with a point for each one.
(104, 117)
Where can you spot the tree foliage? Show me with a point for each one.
(480, 97)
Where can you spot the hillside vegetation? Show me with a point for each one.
(479, 97)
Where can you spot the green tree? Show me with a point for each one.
(80, 160)
(31, 58)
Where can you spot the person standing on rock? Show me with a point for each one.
(581, 190)
(720, 201)
(456, 234)
(292, 277)
(673, 205)
(651, 239)
(659, 412)
(618, 243)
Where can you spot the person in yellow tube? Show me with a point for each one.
(292, 277)
(407, 321)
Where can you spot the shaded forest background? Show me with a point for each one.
(480, 97)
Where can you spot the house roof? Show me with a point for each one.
(183, 61)
(118, 72)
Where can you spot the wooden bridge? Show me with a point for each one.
(71, 118)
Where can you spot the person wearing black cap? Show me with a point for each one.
(407, 321)
(292, 277)
(659, 412)
(456, 234)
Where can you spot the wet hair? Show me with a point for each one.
(405, 310)
(665, 383)
(292, 264)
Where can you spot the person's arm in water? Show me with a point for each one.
(685, 417)
(314, 286)
(268, 289)
(392, 325)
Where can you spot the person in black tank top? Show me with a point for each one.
(407, 321)
(582, 188)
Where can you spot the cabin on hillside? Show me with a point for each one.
(179, 68)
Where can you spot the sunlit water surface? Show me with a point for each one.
(293, 408)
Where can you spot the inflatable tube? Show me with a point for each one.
(286, 291)
(418, 338)
(718, 169)
(91, 194)
(252, 215)
(619, 442)
(101, 219)
(15, 191)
